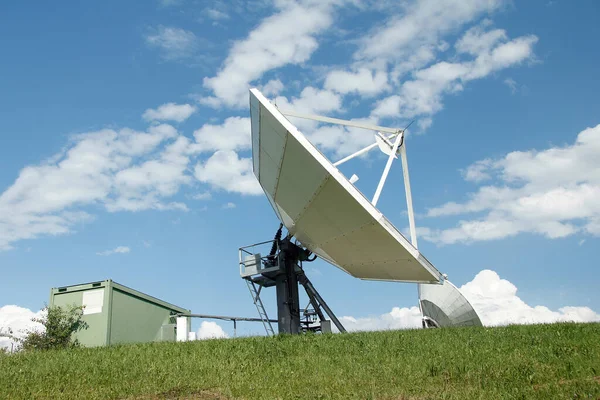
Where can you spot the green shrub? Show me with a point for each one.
(60, 324)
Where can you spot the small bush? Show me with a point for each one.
(60, 324)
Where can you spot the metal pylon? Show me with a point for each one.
(260, 307)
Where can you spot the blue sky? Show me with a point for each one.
(125, 126)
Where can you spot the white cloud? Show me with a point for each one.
(423, 95)
(227, 171)
(477, 172)
(116, 250)
(409, 40)
(174, 43)
(272, 88)
(232, 134)
(311, 100)
(420, 23)
(169, 112)
(503, 56)
(18, 321)
(362, 81)
(142, 186)
(287, 37)
(494, 299)
(216, 15)
(229, 205)
(211, 330)
(512, 85)
(552, 192)
(419, 58)
(424, 123)
(118, 169)
(497, 303)
(129, 170)
(477, 40)
(202, 196)
(412, 37)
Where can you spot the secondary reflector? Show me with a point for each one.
(322, 209)
(443, 305)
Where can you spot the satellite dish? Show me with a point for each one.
(331, 218)
(444, 306)
(324, 211)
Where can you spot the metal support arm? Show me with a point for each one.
(317, 300)
(365, 149)
(409, 205)
(388, 165)
(337, 121)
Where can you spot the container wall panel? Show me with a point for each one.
(135, 319)
(95, 334)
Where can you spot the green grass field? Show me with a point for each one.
(518, 362)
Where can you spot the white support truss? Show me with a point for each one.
(366, 149)
(386, 170)
(342, 122)
(409, 205)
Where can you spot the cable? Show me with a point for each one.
(276, 241)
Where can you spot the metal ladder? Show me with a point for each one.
(260, 307)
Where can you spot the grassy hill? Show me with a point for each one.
(516, 362)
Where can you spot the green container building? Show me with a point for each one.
(118, 314)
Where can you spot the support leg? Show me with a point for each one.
(315, 297)
(288, 301)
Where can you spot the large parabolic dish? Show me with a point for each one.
(443, 305)
(322, 209)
